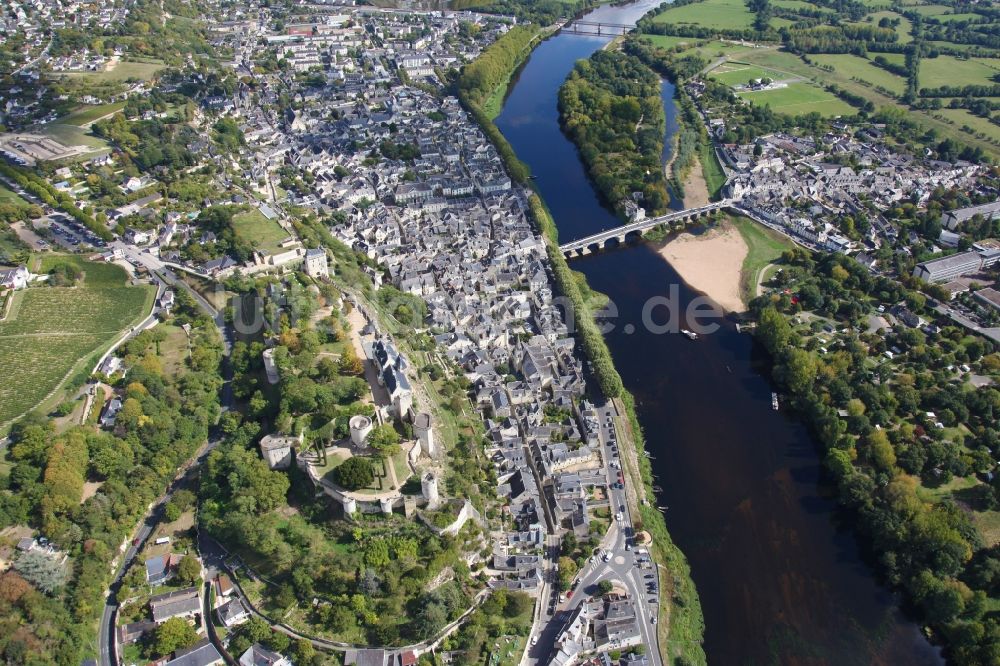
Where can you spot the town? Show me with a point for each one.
(414, 386)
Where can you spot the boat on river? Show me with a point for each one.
(774, 401)
(691, 335)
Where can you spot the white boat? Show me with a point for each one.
(690, 334)
(774, 401)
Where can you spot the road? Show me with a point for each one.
(625, 565)
(185, 477)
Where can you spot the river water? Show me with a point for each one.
(779, 582)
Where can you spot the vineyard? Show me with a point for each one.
(52, 332)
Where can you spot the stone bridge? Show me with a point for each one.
(623, 234)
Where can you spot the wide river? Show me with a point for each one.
(779, 581)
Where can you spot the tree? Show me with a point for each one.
(172, 635)
(354, 473)
(431, 618)
(349, 363)
(303, 651)
(567, 572)
(385, 440)
(518, 603)
(44, 572)
(189, 569)
(604, 587)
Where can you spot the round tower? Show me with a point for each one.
(360, 426)
(429, 488)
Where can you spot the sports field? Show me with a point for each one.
(800, 98)
(53, 332)
(722, 14)
(738, 73)
(123, 71)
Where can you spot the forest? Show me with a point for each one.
(610, 107)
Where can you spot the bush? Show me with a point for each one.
(355, 473)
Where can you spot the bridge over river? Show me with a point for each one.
(601, 240)
(598, 28)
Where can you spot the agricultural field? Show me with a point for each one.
(265, 235)
(946, 18)
(722, 14)
(734, 73)
(669, 41)
(961, 117)
(800, 98)
(931, 10)
(792, 64)
(861, 68)
(794, 5)
(951, 71)
(54, 332)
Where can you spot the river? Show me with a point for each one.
(779, 581)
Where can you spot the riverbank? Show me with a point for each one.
(696, 187)
(682, 626)
(494, 102)
(711, 262)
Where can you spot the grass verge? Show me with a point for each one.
(764, 247)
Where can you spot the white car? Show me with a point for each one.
(534, 639)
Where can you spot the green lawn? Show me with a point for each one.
(264, 234)
(722, 14)
(951, 71)
(71, 135)
(382, 479)
(9, 196)
(122, 72)
(800, 98)
(89, 114)
(764, 246)
(53, 332)
(861, 68)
